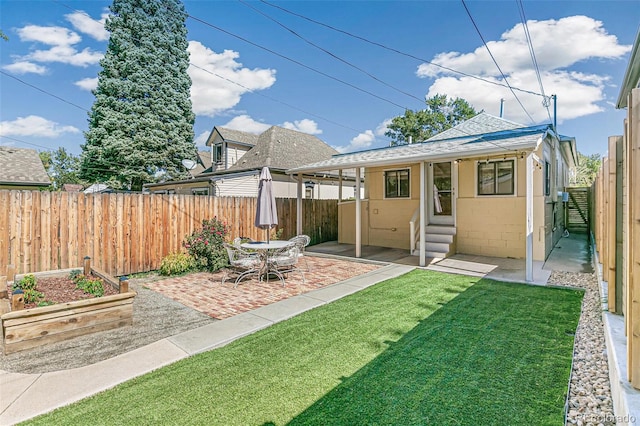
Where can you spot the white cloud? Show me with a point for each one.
(53, 36)
(383, 127)
(87, 83)
(201, 139)
(363, 141)
(245, 123)
(62, 41)
(84, 23)
(34, 125)
(223, 83)
(25, 67)
(66, 55)
(304, 126)
(558, 44)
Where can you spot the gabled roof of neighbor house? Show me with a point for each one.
(22, 166)
(281, 149)
(233, 136)
(203, 164)
(632, 74)
(492, 135)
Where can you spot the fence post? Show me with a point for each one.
(11, 273)
(87, 266)
(17, 300)
(124, 284)
(3, 288)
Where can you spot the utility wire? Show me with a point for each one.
(344, 61)
(273, 52)
(525, 26)
(399, 52)
(496, 62)
(44, 91)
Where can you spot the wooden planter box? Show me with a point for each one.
(28, 328)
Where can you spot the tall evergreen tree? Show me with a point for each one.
(141, 123)
(440, 114)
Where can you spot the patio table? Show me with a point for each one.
(263, 248)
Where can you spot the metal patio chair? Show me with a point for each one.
(243, 263)
(302, 241)
(284, 260)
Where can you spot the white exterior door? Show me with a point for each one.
(441, 193)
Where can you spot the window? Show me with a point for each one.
(496, 178)
(547, 178)
(396, 183)
(217, 154)
(200, 191)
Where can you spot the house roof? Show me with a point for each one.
(203, 164)
(481, 123)
(632, 75)
(22, 166)
(233, 136)
(280, 148)
(511, 139)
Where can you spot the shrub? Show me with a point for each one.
(73, 275)
(206, 245)
(177, 263)
(90, 285)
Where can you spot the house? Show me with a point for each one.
(21, 168)
(238, 157)
(487, 186)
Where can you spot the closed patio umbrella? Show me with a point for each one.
(266, 213)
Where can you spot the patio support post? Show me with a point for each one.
(423, 190)
(529, 221)
(358, 216)
(299, 206)
(340, 185)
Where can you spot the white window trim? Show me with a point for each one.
(384, 183)
(493, 160)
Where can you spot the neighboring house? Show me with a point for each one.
(71, 187)
(487, 187)
(21, 168)
(240, 158)
(97, 188)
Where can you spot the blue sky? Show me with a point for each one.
(342, 88)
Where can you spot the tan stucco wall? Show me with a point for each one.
(346, 222)
(486, 225)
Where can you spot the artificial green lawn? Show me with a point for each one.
(424, 348)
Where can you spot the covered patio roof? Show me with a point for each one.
(518, 140)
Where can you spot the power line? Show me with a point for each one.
(44, 91)
(525, 26)
(353, 86)
(344, 61)
(391, 49)
(496, 62)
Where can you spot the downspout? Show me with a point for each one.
(423, 188)
(358, 215)
(299, 205)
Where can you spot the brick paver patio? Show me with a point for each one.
(204, 291)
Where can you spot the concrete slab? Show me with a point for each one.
(56, 389)
(287, 308)
(12, 385)
(219, 333)
(333, 292)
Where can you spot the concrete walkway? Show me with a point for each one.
(23, 396)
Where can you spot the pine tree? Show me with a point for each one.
(141, 123)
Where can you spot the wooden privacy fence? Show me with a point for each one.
(129, 233)
(616, 227)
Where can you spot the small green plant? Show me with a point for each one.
(28, 282)
(206, 245)
(90, 285)
(177, 263)
(28, 285)
(46, 303)
(74, 274)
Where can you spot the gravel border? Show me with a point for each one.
(589, 401)
(155, 317)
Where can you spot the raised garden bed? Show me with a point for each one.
(27, 328)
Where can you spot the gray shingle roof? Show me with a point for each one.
(280, 148)
(513, 140)
(231, 135)
(481, 123)
(22, 166)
